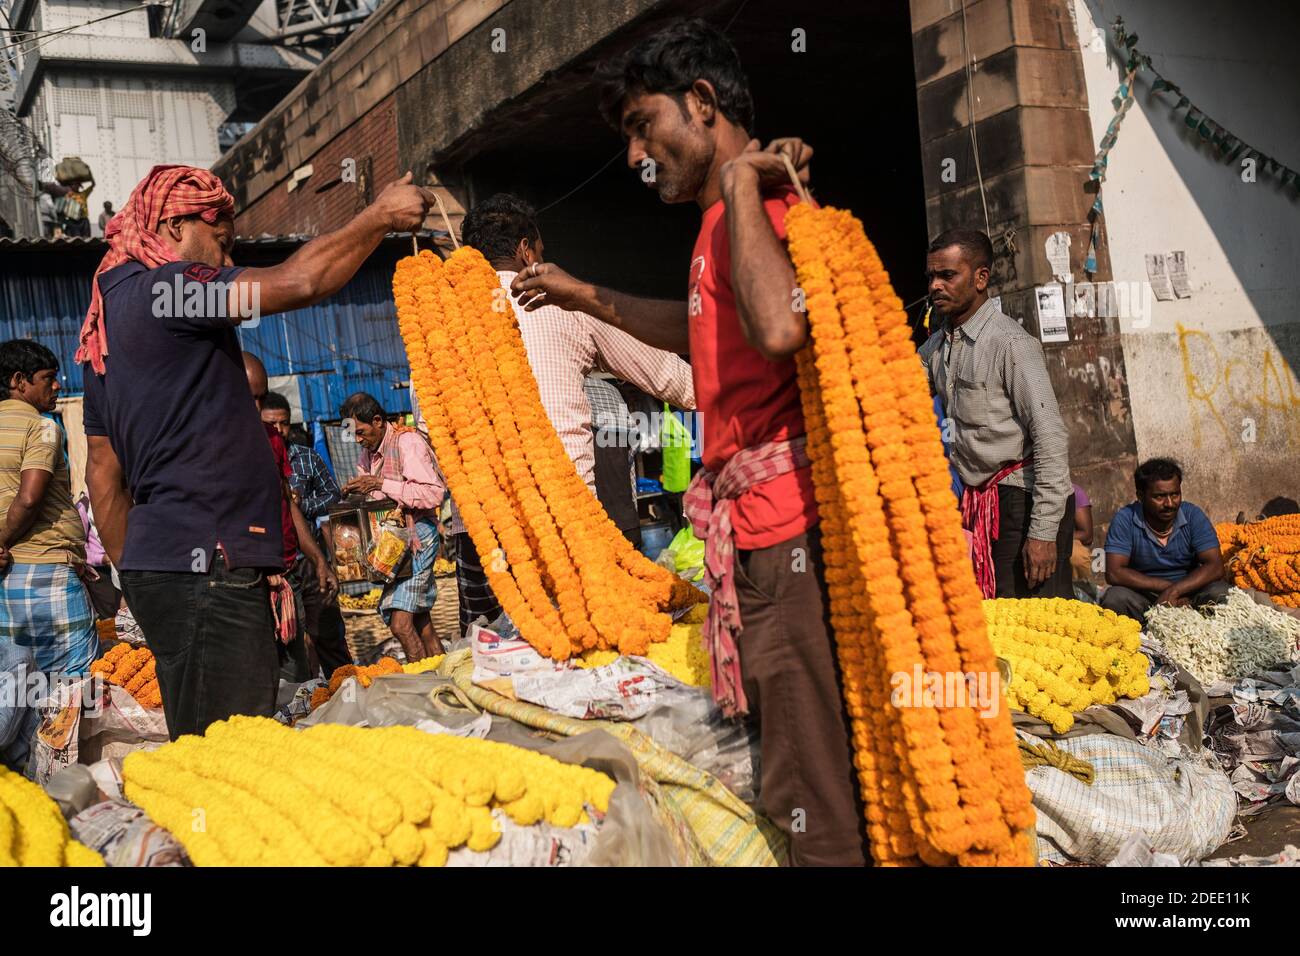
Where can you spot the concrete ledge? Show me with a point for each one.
(437, 110)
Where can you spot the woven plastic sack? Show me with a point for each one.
(713, 827)
(1184, 805)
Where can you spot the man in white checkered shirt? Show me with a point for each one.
(563, 348)
(1010, 446)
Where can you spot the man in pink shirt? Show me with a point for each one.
(398, 463)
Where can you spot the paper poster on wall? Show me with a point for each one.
(1158, 276)
(1057, 248)
(1085, 300)
(1052, 324)
(1176, 262)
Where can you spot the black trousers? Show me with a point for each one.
(104, 597)
(1135, 604)
(1008, 550)
(214, 639)
(322, 620)
(474, 592)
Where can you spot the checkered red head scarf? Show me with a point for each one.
(132, 234)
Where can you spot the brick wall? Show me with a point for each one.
(323, 201)
(395, 43)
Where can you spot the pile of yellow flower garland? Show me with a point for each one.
(133, 669)
(33, 831)
(941, 785)
(1066, 656)
(561, 569)
(253, 792)
(1264, 555)
(684, 654)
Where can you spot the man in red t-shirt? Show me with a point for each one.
(682, 102)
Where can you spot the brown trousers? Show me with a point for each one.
(791, 679)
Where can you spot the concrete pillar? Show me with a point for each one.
(1035, 148)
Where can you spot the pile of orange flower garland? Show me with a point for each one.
(133, 669)
(1264, 555)
(366, 675)
(941, 785)
(561, 569)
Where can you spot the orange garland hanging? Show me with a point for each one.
(942, 784)
(561, 569)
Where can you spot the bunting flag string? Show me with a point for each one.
(1227, 147)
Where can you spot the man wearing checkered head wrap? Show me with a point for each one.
(182, 481)
(174, 213)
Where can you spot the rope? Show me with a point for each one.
(1048, 754)
(459, 701)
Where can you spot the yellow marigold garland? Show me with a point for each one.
(684, 654)
(1066, 655)
(32, 829)
(570, 581)
(254, 792)
(941, 784)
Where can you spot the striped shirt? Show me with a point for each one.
(316, 487)
(31, 442)
(992, 379)
(564, 347)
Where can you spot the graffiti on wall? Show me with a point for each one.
(1238, 389)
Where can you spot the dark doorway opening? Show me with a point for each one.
(851, 94)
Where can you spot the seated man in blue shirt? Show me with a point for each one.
(1161, 549)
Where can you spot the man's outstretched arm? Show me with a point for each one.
(324, 265)
(657, 322)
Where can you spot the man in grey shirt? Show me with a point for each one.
(1010, 446)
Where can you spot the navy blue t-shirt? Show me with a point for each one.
(1192, 533)
(174, 403)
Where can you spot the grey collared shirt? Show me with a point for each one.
(990, 375)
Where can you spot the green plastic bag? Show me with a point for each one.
(675, 442)
(687, 550)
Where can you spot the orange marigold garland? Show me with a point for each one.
(941, 783)
(569, 580)
(489, 516)
(134, 669)
(1264, 555)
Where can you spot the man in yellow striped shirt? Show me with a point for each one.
(46, 622)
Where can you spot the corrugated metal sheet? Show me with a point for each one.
(346, 344)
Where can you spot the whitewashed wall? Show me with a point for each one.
(1211, 376)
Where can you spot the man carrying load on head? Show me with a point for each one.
(181, 476)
